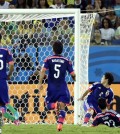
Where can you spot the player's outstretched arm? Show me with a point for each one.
(11, 69)
(41, 76)
(85, 93)
(73, 75)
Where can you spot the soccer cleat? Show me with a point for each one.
(17, 122)
(0, 131)
(85, 125)
(59, 127)
(16, 115)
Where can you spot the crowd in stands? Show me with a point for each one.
(21, 34)
(107, 19)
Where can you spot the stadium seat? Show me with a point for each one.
(115, 42)
(117, 11)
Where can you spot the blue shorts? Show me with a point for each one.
(59, 96)
(89, 104)
(4, 96)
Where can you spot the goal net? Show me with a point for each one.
(29, 36)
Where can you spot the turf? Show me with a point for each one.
(51, 129)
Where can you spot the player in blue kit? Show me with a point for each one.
(95, 91)
(107, 117)
(57, 91)
(6, 57)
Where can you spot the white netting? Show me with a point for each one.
(30, 37)
(86, 24)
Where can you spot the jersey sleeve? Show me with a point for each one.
(110, 98)
(70, 67)
(46, 64)
(9, 57)
(118, 116)
(93, 86)
(96, 122)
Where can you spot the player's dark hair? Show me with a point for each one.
(102, 103)
(57, 47)
(110, 77)
(0, 37)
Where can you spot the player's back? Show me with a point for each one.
(109, 118)
(5, 57)
(57, 66)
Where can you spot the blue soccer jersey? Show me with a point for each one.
(109, 118)
(98, 91)
(57, 67)
(5, 57)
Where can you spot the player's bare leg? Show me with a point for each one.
(61, 116)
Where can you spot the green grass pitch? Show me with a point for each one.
(51, 129)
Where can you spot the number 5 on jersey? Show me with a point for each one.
(1, 62)
(57, 69)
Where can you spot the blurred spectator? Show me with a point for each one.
(30, 3)
(117, 2)
(21, 4)
(96, 38)
(117, 10)
(65, 2)
(117, 32)
(25, 27)
(102, 14)
(58, 4)
(43, 4)
(112, 16)
(89, 8)
(12, 2)
(77, 3)
(50, 2)
(63, 31)
(109, 3)
(80, 4)
(107, 32)
(11, 6)
(98, 6)
(96, 26)
(69, 6)
(4, 4)
(5, 38)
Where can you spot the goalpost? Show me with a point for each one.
(31, 32)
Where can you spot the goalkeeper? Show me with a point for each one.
(95, 91)
(6, 57)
